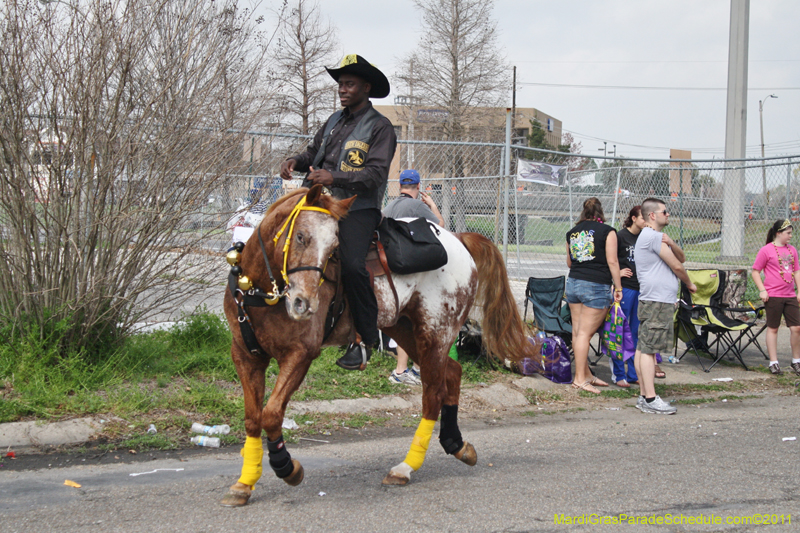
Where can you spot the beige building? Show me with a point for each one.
(481, 125)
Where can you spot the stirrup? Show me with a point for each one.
(356, 357)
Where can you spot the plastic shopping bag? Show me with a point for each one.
(615, 335)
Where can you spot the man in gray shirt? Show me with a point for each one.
(659, 266)
(408, 205)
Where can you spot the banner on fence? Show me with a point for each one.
(584, 179)
(539, 172)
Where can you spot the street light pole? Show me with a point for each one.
(604, 148)
(763, 168)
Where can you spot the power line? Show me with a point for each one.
(664, 61)
(644, 88)
(781, 145)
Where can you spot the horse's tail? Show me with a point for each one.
(503, 333)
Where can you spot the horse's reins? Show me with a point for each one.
(240, 284)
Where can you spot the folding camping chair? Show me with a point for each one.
(550, 312)
(733, 303)
(704, 310)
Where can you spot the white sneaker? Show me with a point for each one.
(639, 402)
(404, 377)
(658, 407)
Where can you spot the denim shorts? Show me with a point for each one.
(589, 293)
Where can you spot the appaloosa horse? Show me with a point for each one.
(297, 237)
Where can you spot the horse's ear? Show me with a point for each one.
(313, 195)
(345, 204)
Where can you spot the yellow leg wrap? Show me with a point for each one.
(419, 446)
(252, 452)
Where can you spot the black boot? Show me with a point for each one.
(356, 357)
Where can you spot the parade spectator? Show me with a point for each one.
(412, 203)
(626, 242)
(778, 291)
(593, 267)
(659, 266)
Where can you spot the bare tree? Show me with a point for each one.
(458, 68)
(306, 45)
(118, 119)
(457, 64)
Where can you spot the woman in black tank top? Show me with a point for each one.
(593, 268)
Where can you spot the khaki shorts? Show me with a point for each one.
(656, 327)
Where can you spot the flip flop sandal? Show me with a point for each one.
(586, 386)
(660, 373)
(597, 382)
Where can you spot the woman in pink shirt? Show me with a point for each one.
(778, 260)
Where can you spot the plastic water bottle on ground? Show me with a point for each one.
(674, 360)
(152, 429)
(223, 429)
(202, 440)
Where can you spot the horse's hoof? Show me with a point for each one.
(296, 477)
(395, 480)
(467, 454)
(236, 498)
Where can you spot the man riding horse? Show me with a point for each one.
(351, 155)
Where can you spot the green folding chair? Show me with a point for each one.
(736, 306)
(704, 309)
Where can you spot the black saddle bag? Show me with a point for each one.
(411, 246)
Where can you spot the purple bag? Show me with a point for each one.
(557, 363)
(615, 335)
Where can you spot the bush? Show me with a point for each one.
(201, 331)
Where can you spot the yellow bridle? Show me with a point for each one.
(290, 221)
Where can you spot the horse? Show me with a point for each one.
(297, 238)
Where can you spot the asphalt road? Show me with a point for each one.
(725, 459)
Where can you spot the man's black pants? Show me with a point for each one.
(355, 234)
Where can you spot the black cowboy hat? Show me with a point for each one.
(358, 66)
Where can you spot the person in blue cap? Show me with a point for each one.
(413, 202)
(351, 155)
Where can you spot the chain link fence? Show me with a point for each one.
(528, 220)
(720, 210)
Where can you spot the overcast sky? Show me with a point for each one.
(629, 43)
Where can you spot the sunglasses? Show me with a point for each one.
(664, 212)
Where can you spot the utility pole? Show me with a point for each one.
(604, 148)
(735, 131)
(411, 117)
(514, 101)
(764, 190)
